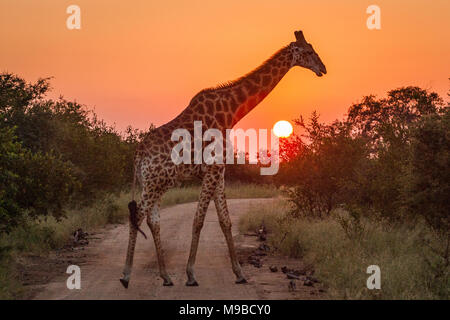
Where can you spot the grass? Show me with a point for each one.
(39, 237)
(233, 191)
(341, 258)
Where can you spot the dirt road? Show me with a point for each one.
(105, 259)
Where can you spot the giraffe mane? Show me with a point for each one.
(229, 84)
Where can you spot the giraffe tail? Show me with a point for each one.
(132, 207)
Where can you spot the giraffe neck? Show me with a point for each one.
(251, 89)
(222, 107)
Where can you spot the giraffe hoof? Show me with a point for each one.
(124, 283)
(241, 281)
(167, 283)
(192, 283)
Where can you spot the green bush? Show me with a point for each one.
(32, 183)
(101, 158)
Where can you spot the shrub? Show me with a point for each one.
(35, 183)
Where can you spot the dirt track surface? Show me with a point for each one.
(105, 260)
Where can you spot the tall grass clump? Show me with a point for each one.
(234, 190)
(404, 254)
(39, 236)
(9, 287)
(251, 190)
(271, 215)
(180, 195)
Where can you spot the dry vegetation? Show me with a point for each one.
(341, 253)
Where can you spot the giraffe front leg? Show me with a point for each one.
(225, 224)
(203, 203)
(153, 223)
(131, 246)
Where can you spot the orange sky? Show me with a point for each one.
(139, 62)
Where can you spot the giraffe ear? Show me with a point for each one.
(299, 36)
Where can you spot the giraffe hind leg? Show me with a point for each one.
(206, 193)
(153, 223)
(136, 218)
(225, 224)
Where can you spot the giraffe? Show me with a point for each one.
(221, 108)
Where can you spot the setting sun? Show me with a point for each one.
(283, 129)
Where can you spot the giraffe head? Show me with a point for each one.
(303, 55)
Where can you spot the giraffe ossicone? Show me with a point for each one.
(218, 108)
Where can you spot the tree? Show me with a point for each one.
(30, 183)
(101, 159)
(324, 173)
(386, 125)
(427, 184)
(361, 161)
